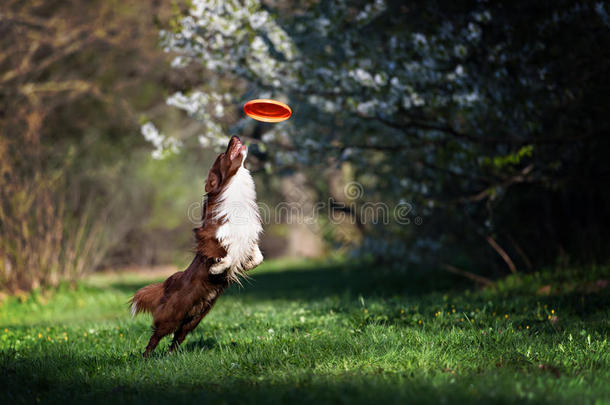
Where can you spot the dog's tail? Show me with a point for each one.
(146, 298)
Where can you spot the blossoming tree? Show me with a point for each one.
(449, 107)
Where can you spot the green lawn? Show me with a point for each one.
(301, 332)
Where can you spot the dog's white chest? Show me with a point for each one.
(239, 234)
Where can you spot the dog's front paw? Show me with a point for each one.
(221, 265)
(255, 259)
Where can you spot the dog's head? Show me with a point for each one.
(225, 166)
(231, 221)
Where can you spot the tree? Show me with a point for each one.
(71, 77)
(476, 112)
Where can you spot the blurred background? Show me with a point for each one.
(469, 136)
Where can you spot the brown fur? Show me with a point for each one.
(180, 302)
(148, 298)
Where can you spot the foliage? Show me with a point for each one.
(477, 112)
(358, 337)
(72, 75)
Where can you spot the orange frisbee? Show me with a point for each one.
(267, 110)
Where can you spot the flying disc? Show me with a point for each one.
(267, 110)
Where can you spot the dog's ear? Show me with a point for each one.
(212, 182)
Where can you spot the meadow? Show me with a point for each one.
(305, 331)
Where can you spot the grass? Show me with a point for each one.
(304, 331)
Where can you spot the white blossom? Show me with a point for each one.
(367, 108)
(164, 145)
(258, 19)
(420, 39)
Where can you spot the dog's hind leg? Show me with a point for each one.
(184, 330)
(178, 338)
(156, 337)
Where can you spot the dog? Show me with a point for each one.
(227, 247)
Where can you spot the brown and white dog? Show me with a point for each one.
(227, 247)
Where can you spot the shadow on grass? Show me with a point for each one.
(348, 282)
(199, 345)
(332, 280)
(352, 281)
(33, 380)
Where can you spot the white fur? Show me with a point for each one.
(239, 234)
(134, 309)
(257, 258)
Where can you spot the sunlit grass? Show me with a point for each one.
(303, 332)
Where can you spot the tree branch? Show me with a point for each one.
(502, 253)
(474, 277)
